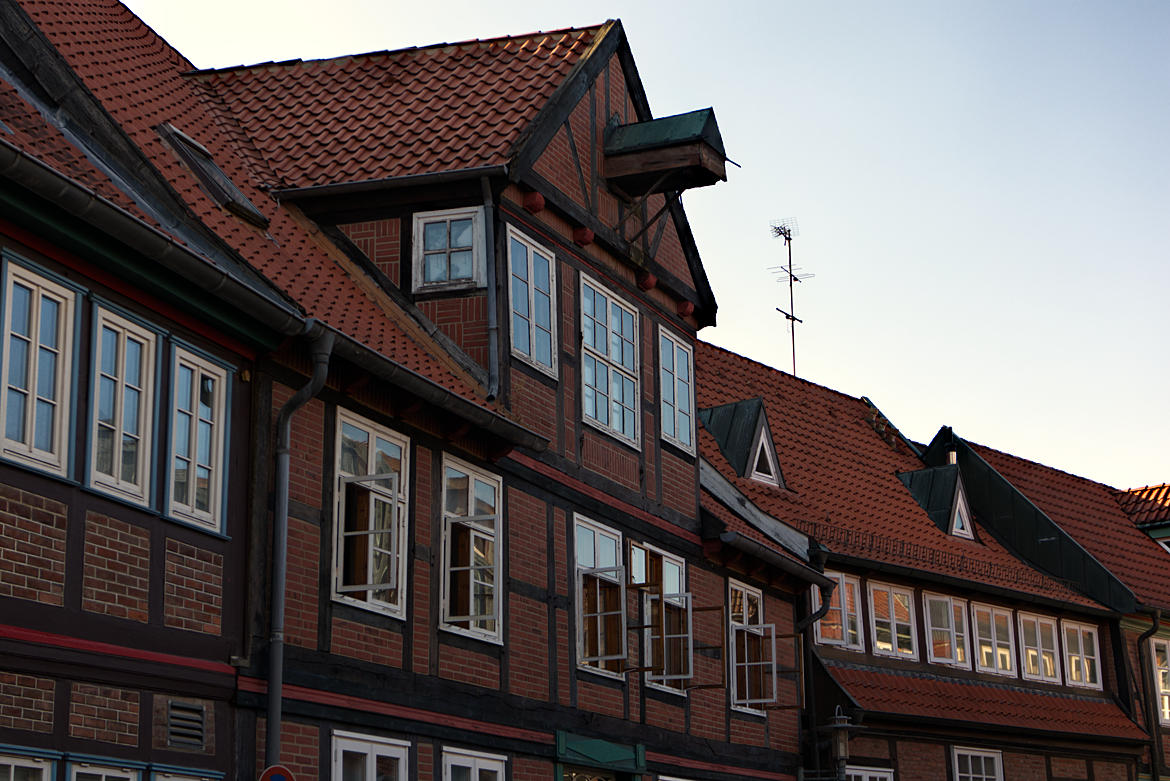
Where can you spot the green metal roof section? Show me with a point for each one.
(666, 131)
(597, 753)
(1024, 529)
(934, 490)
(735, 427)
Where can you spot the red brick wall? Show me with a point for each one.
(606, 457)
(193, 596)
(525, 769)
(871, 748)
(103, 713)
(117, 568)
(922, 761)
(534, 404)
(748, 731)
(527, 538)
(708, 707)
(678, 484)
(299, 748)
(305, 455)
(527, 633)
(26, 702)
(460, 664)
(1110, 771)
(665, 715)
(420, 606)
(380, 241)
(464, 320)
(1066, 767)
(1025, 767)
(32, 547)
(368, 643)
(594, 697)
(304, 576)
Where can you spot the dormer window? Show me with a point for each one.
(217, 184)
(961, 525)
(764, 461)
(448, 249)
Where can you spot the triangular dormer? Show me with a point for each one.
(939, 491)
(745, 439)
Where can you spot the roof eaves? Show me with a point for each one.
(389, 183)
(721, 489)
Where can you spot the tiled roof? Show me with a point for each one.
(734, 523)
(139, 81)
(841, 479)
(386, 114)
(1146, 505)
(1090, 513)
(931, 696)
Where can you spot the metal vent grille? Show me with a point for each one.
(185, 725)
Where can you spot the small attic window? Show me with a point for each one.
(764, 461)
(214, 181)
(961, 516)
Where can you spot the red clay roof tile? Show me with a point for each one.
(1011, 706)
(1089, 511)
(841, 478)
(386, 114)
(1150, 504)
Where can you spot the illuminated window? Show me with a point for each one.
(946, 630)
(1080, 655)
(1162, 677)
(1041, 660)
(994, 651)
(892, 621)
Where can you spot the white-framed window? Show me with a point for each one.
(359, 757)
(121, 445)
(601, 597)
(157, 776)
(460, 765)
(994, 644)
(609, 362)
(841, 625)
(891, 610)
(668, 641)
(946, 630)
(675, 359)
(1161, 661)
(1040, 658)
(961, 516)
(448, 249)
(533, 301)
(373, 490)
(973, 764)
(18, 768)
(1081, 667)
(853, 773)
(764, 467)
(471, 549)
(84, 771)
(752, 660)
(37, 368)
(198, 435)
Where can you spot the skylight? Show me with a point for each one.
(214, 181)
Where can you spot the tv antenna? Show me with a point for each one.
(786, 229)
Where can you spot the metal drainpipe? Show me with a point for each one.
(1152, 717)
(489, 222)
(806, 663)
(321, 348)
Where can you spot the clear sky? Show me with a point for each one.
(982, 190)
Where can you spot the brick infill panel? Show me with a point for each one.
(103, 713)
(26, 702)
(32, 546)
(116, 579)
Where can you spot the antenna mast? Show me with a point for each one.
(786, 229)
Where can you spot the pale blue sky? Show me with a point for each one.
(982, 191)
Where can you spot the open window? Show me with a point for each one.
(841, 624)
(601, 598)
(471, 550)
(666, 609)
(370, 532)
(752, 661)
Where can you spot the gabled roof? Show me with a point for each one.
(1089, 512)
(107, 63)
(736, 427)
(932, 697)
(396, 113)
(1148, 505)
(842, 485)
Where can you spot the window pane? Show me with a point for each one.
(50, 312)
(354, 448)
(109, 351)
(607, 553)
(181, 481)
(183, 388)
(520, 298)
(47, 374)
(133, 373)
(485, 498)
(130, 411)
(207, 398)
(129, 459)
(519, 255)
(461, 265)
(107, 390)
(461, 233)
(520, 338)
(541, 267)
(459, 773)
(18, 363)
(435, 235)
(43, 432)
(457, 485)
(182, 434)
(435, 267)
(19, 309)
(585, 554)
(353, 766)
(543, 352)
